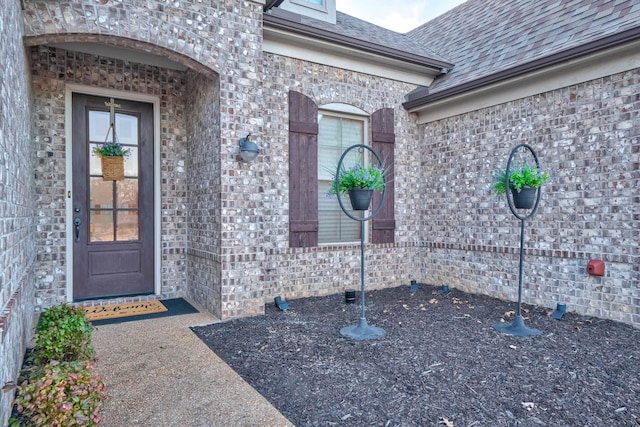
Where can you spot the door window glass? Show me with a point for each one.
(101, 228)
(127, 129)
(100, 193)
(98, 126)
(114, 204)
(131, 163)
(95, 167)
(127, 196)
(127, 225)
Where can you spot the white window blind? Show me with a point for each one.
(336, 133)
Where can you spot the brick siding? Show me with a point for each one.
(586, 136)
(328, 269)
(17, 228)
(217, 38)
(205, 212)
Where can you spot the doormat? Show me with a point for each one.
(113, 311)
(170, 307)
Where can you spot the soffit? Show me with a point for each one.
(599, 64)
(315, 51)
(350, 38)
(122, 53)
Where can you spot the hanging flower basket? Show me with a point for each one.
(359, 182)
(360, 198)
(112, 156)
(523, 181)
(524, 198)
(112, 168)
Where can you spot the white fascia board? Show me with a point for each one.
(309, 49)
(597, 65)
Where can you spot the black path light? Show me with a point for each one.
(362, 331)
(518, 327)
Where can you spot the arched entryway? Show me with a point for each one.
(132, 234)
(200, 69)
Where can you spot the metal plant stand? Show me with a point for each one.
(362, 331)
(518, 328)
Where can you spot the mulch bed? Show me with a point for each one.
(440, 364)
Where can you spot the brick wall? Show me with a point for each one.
(51, 70)
(17, 251)
(205, 212)
(299, 272)
(586, 136)
(222, 37)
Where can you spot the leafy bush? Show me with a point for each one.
(64, 334)
(60, 394)
(518, 178)
(59, 383)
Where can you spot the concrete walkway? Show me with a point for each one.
(160, 374)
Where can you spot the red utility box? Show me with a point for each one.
(596, 267)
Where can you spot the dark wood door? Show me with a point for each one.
(113, 220)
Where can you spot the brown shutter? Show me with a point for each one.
(383, 139)
(303, 171)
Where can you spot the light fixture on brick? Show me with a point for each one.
(248, 149)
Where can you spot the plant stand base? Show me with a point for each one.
(517, 328)
(362, 331)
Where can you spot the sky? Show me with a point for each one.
(396, 15)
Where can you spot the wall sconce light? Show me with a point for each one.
(248, 149)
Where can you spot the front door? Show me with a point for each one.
(113, 221)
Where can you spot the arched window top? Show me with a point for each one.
(339, 107)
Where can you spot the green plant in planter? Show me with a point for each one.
(63, 334)
(358, 177)
(519, 177)
(111, 149)
(60, 394)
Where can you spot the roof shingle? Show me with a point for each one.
(366, 32)
(484, 37)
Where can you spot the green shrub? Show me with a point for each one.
(64, 334)
(60, 394)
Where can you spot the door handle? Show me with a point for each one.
(77, 221)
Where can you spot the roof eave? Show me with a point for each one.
(419, 99)
(270, 4)
(283, 24)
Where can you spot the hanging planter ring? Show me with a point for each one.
(518, 327)
(361, 147)
(533, 210)
(361, 331)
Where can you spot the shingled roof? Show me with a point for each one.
(357, 28)
(353, 32)
(485, 38)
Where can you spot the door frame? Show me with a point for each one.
(157, 212)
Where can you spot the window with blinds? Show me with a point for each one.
(336, 133)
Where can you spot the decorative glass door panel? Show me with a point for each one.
(114, 200)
